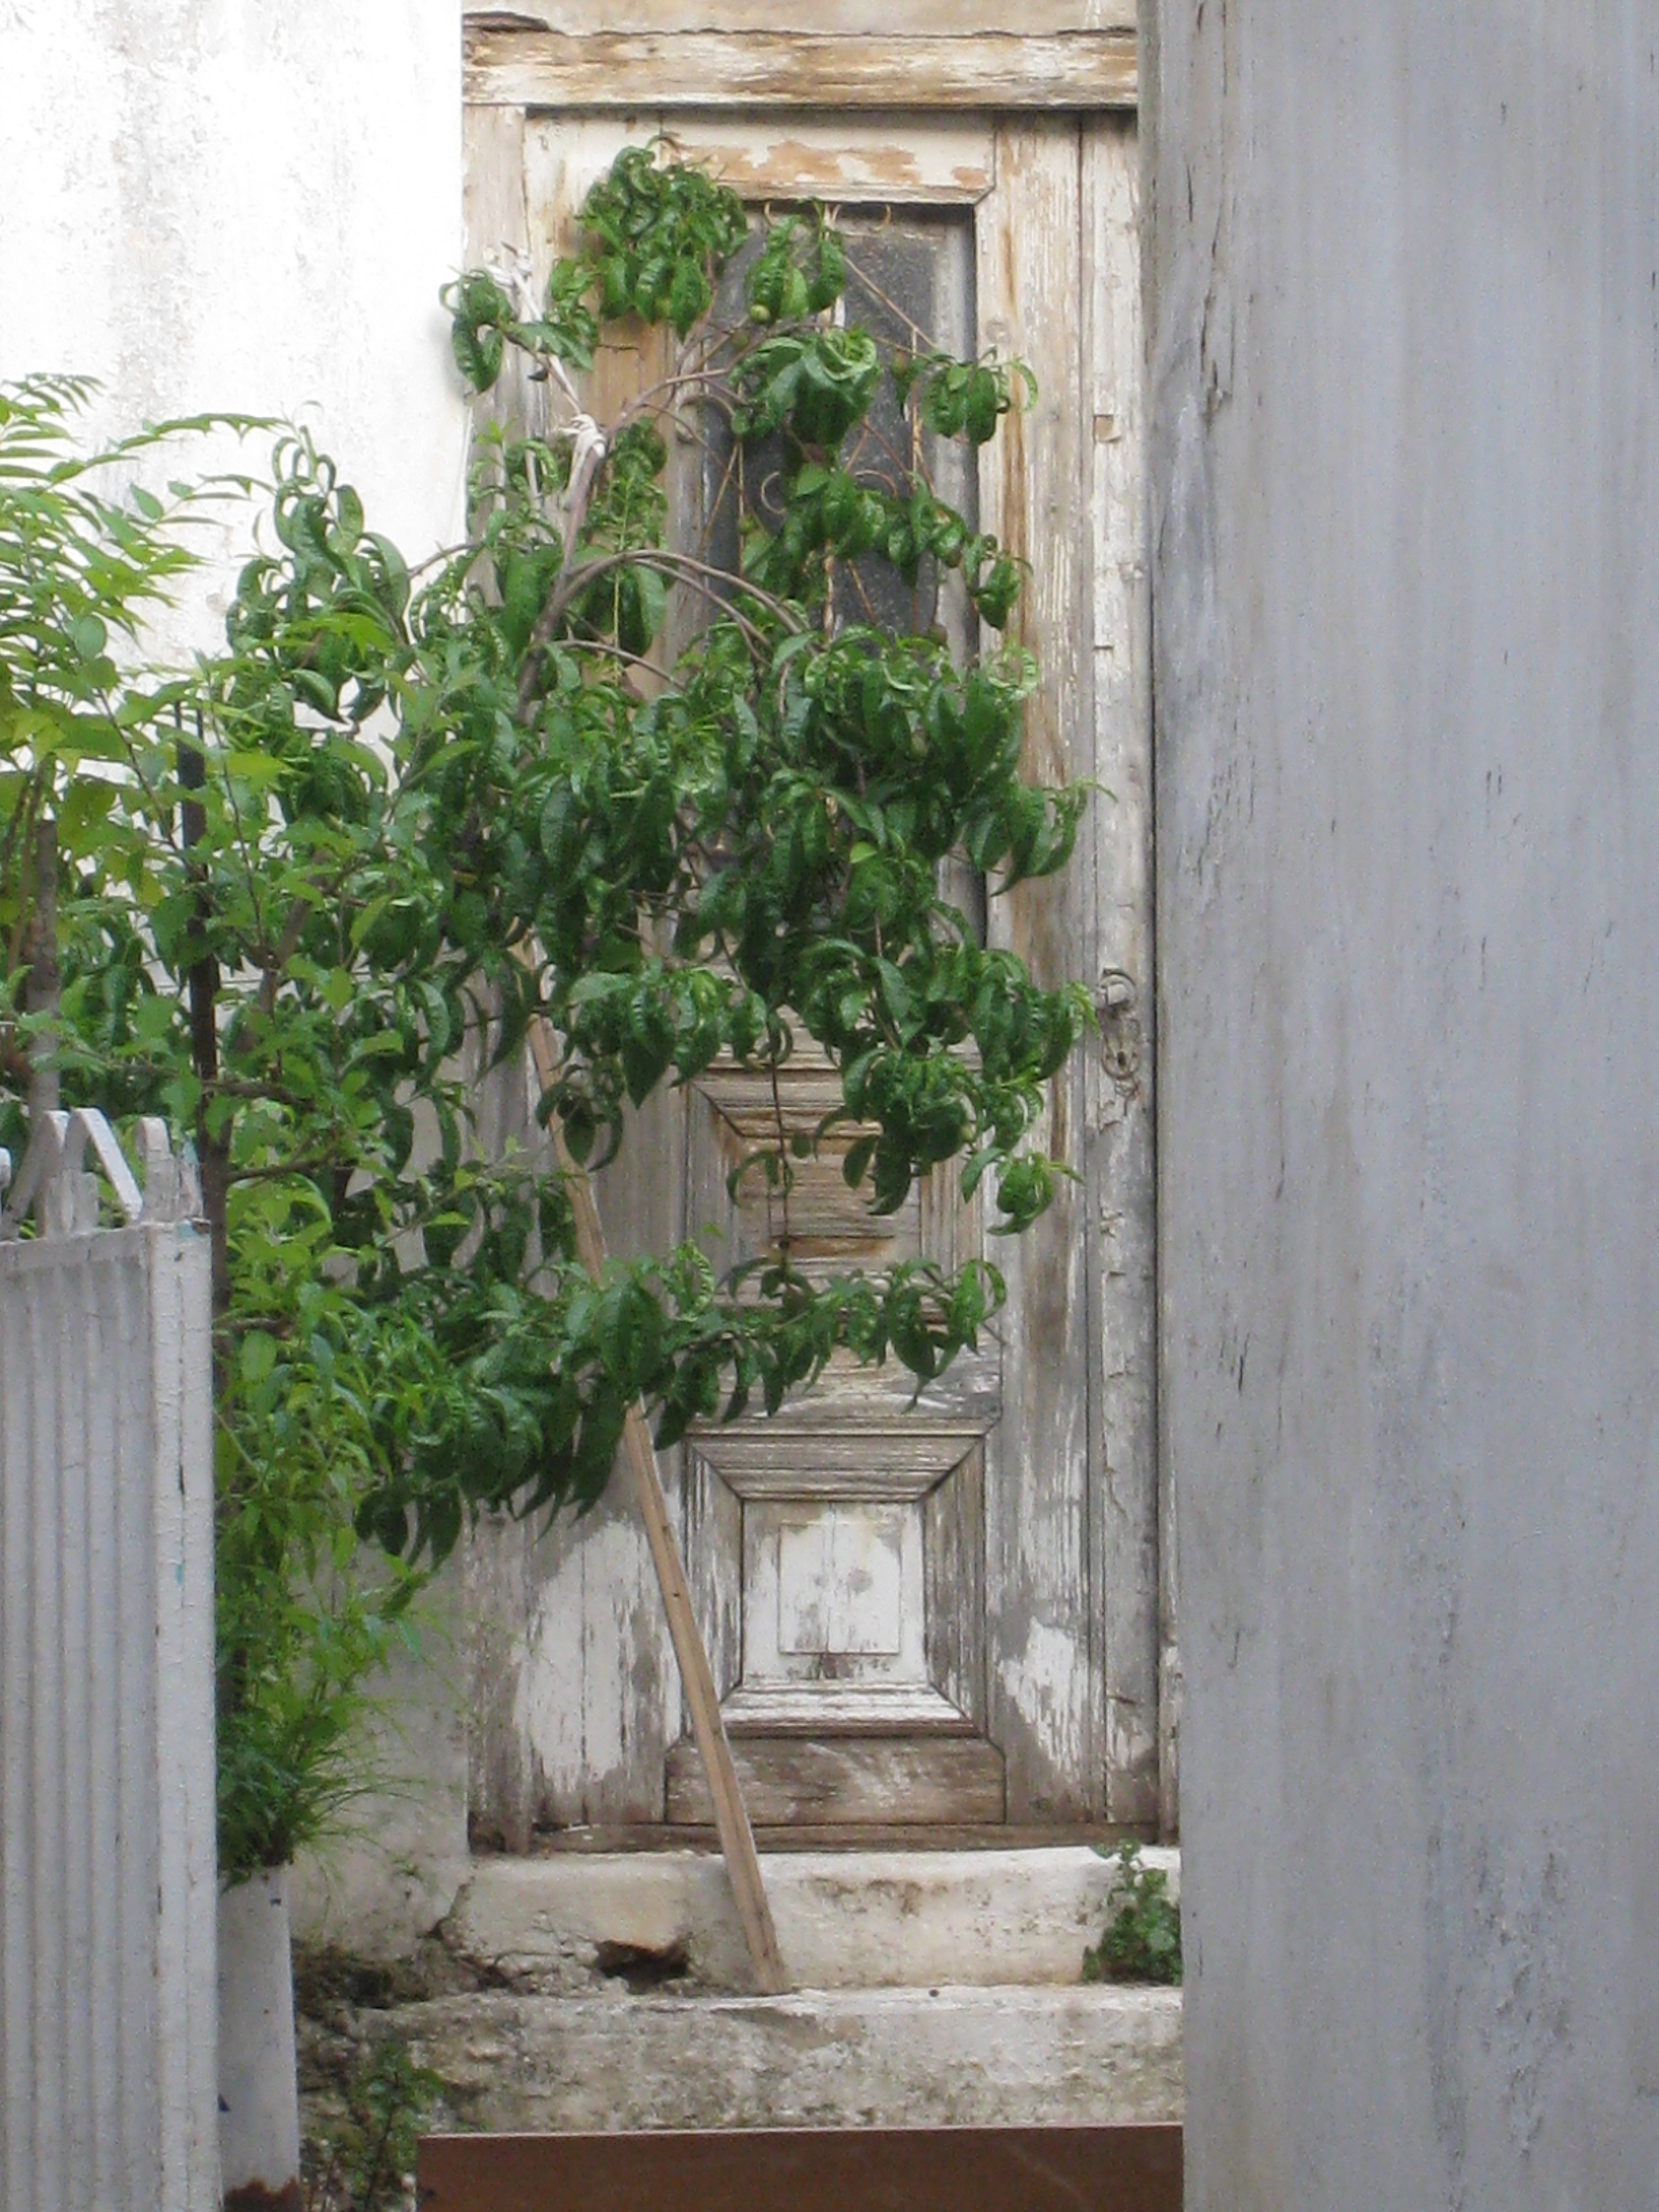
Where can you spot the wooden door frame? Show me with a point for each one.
(1024, 56)
(1067, 490)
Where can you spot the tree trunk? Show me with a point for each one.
(40, 992)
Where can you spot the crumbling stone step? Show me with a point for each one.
(845, 1919)
(952, 2055)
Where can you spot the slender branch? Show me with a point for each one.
(280, 1171)
(21, 822)
(682, 567)
(683, 425)
(857, 582)
(785, 1172)
(856, 269)
(705, 536)
(212, 1149)
(630, 660)
(281, 953)
(254, 874)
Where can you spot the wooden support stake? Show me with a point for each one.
(707, 1723)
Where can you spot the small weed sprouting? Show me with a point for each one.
(364, 2164)
(1142, 1941)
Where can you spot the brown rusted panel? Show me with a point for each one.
(854, 1780)
(569, 71)
(1131, 2169)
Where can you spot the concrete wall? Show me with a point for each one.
(251, 204)
(1407, 546)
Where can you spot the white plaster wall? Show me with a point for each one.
(397, 1858)
(244, 204)
(250, 206)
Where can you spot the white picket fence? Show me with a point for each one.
(107, 1879)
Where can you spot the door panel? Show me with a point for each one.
(935, 1608)
(825, 1546)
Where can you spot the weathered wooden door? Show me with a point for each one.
(942, 1615)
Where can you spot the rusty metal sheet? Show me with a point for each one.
(1125, 2169)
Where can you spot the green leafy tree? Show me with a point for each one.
(308, 888)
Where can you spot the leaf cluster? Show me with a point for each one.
(1141, 1941)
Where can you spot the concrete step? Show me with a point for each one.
(605, 1992)
(950, 2055)
(846, 1920)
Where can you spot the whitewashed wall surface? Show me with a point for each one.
(107, 2039)
(215, 204)
(252, 205)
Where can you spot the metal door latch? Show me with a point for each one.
(1117, 1003)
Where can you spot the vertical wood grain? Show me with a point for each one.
(496, 230)
(630, 1691)
(713, 1566)
(1044, 1703)
(953, 1553)
(498, 1571)
(574, 1693)
(1118, 1143)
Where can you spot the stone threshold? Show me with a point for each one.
(870, 1920)
(849, 1838)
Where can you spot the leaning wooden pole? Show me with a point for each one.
(707, 1723)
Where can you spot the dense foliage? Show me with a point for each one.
(308, 887)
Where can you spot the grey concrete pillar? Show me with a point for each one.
(1404, 278)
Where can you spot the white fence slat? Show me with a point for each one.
(108, 1876)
